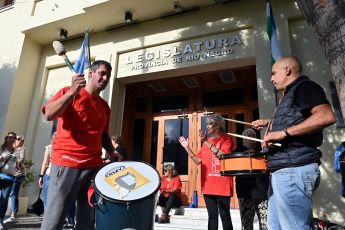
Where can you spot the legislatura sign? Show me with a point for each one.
(183, 54)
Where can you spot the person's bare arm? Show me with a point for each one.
(54, 109)
(185, 145)
(173, 190)
(44, 166)
(321, 117)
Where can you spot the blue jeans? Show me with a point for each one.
(290, 201)
(5, 190)
(15, 193)
(71, 213)
(46, 180)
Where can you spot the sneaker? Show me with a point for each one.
(68, 225)
(12, 219)
(1, 226)
(163, 219)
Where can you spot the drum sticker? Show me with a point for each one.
(126, 181)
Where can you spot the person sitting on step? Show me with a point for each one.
(170, 192)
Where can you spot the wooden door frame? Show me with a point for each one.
(187, 191)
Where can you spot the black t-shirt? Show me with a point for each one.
(254, 187)
(120, 149)
(309, 95)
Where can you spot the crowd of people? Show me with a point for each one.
(282, 200)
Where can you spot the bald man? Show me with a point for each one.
(301, 115)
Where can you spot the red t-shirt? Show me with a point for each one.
(78, 142)
(212, 183)
(174, 183)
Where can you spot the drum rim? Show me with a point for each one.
(241, 154)
(125, 201)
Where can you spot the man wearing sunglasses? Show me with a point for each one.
(82, 130)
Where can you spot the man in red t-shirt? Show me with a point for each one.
(82, 131)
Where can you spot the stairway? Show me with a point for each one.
(186, 218)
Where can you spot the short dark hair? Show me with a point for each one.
(117, 139)
(95, 65)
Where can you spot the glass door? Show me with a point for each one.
(165, 142)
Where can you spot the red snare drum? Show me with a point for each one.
(243, 164)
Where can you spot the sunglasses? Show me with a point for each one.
(18, 139)
(12, 137)
(165, 170)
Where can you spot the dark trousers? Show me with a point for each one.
(172, 201)
(221, 203)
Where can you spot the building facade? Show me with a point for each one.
(173, 63)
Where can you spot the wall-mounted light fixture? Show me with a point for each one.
(177, 7)
(63, 33)
(128, 17)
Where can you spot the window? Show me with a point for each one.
(6, 3)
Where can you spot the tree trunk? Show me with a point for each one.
(327, 19)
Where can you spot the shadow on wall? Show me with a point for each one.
(7, 76)
(327, 198)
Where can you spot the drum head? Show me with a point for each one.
(126, 181)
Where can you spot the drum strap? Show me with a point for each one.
(90, 192)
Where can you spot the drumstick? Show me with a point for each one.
(252, 138)
(241, 122)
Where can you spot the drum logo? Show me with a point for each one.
(126, 181)
(114, 170)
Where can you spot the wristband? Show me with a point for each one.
(191, 156)
(40, 175)
(286, 132)
(211, 146)
(216, 152)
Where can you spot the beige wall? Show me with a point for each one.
(46, 72)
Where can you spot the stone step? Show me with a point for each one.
(186, 218)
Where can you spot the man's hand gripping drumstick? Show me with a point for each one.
(271, 137)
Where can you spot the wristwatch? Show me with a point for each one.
(286, 132)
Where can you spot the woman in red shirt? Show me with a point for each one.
(216, 190)
(170, 192)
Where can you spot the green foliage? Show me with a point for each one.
(30, 176)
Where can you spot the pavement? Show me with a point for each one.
(29, 222)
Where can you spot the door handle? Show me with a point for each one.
(162, 153)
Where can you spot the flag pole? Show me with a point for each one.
(88, 45)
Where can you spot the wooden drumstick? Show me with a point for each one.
(252, 138)
(241, 122)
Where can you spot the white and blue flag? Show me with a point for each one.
(83, 61)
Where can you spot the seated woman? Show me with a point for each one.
(170, 192)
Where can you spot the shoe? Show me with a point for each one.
(1, 226)
(164, 219)
(12, 219)
(68, 225)
(156, 218)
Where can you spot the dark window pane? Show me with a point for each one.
(154, 141)
(256, 117)
(138, 139)
(174, 103)
(140, 105)
(173, 151)
(239, 128)
(254, 92)
(223, 98)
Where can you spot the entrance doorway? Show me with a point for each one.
(154, 121)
